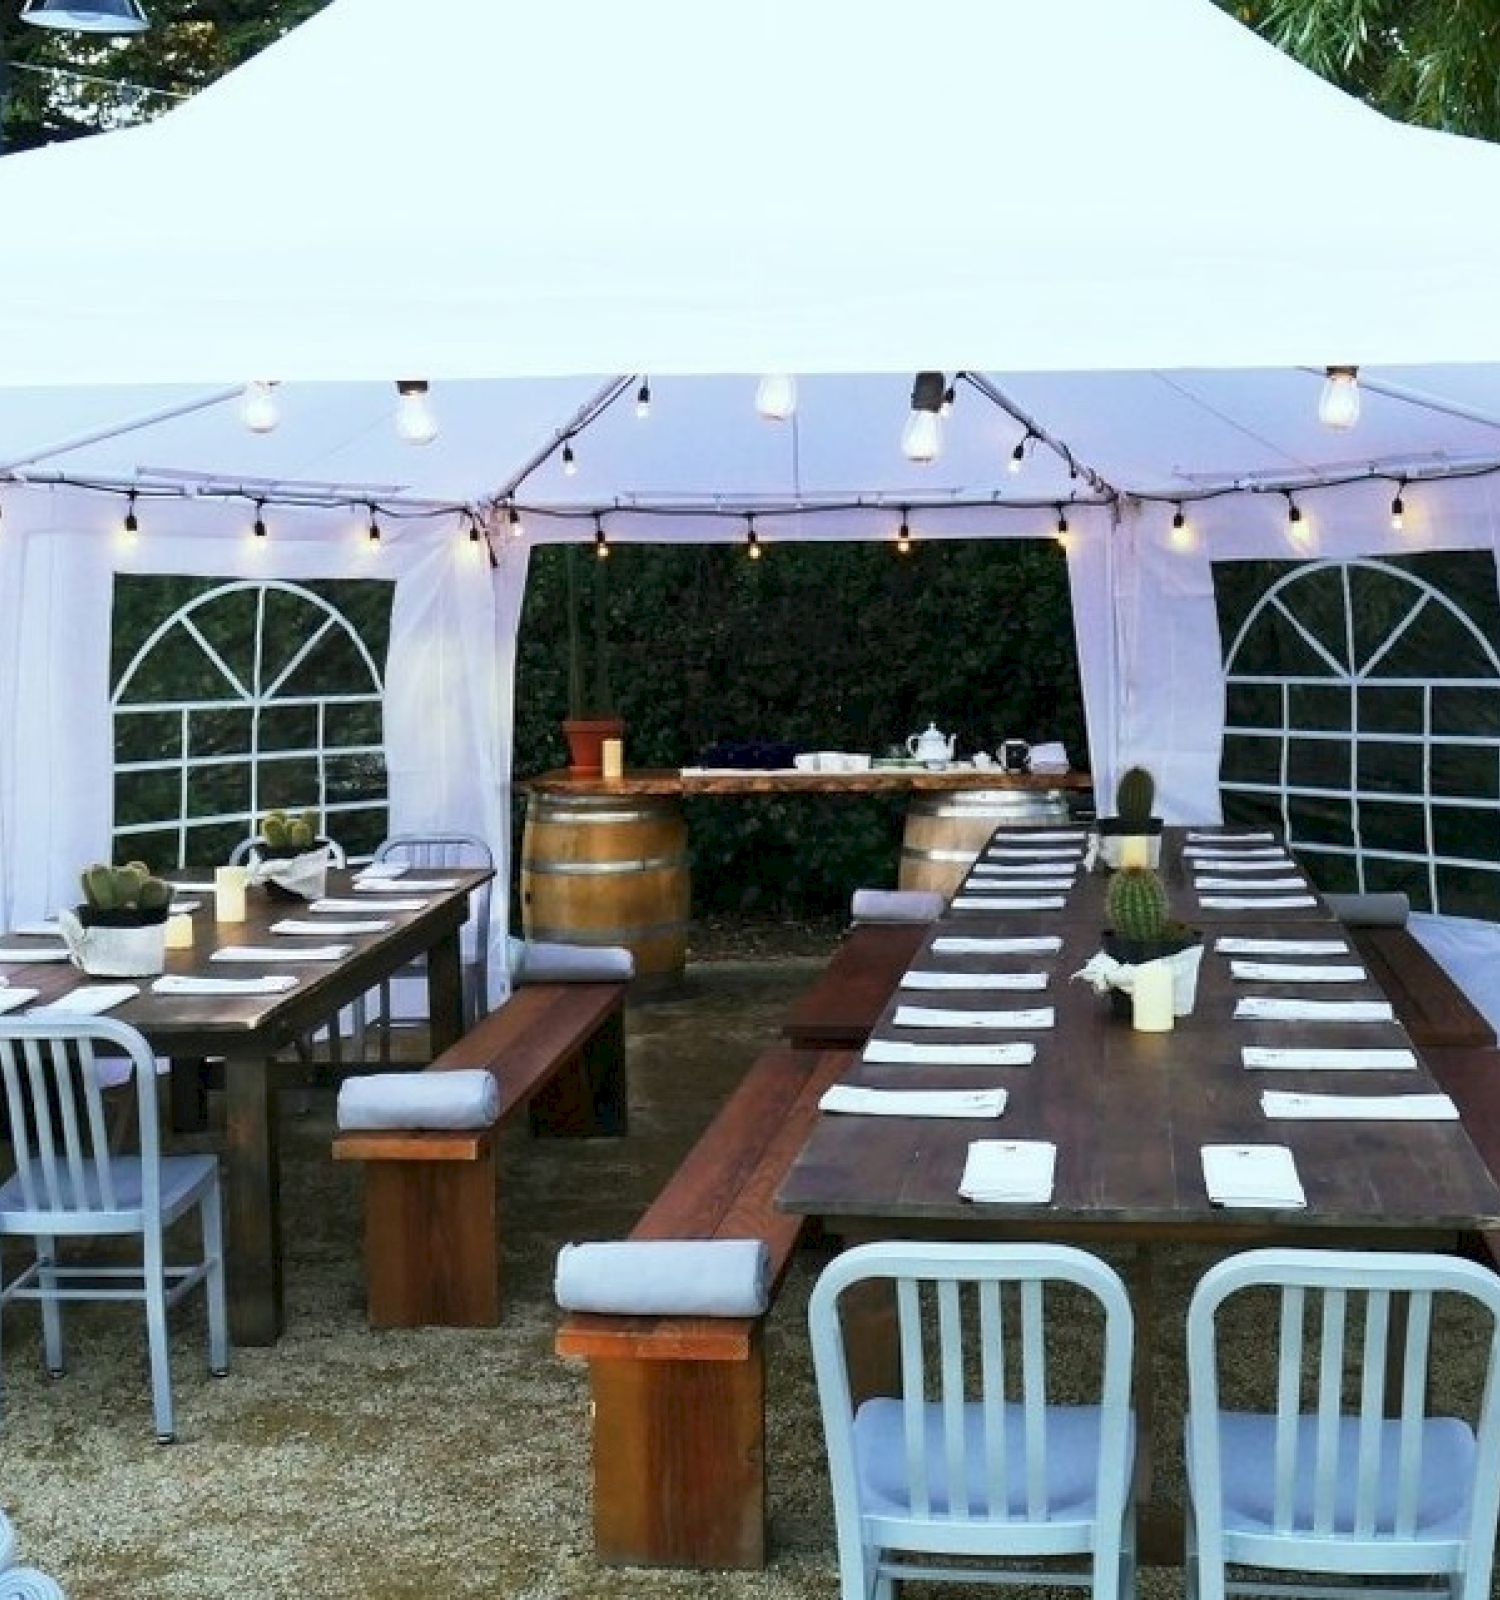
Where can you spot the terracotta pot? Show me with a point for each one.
(586, 736)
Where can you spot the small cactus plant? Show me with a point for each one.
(127, 893)
(1138, 905)
(289, 835)
(1134, 797)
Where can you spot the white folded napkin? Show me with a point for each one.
(900, 1052)
(299, 926)
(49, 929)
(951, 1103)
(922, 979)
(965, 902)
(27, 952)
(1025, 869)
(192, 888)
(1230, 946)
(1301, 1059)
(1261, 1008)
(272, 983)
(1035, 945)
(1255, 885)
(88, 1001)
(377, 885)
(1047, 835)
(1203, 862)
(1029, 853)
(1294, 972)
(1009, 885)
(1270, 902)
(940, 1017)
(184, 908)
(404, 904)
(1258, 1176)
(274, 956)
(1197, 836)
(14, 999)
(380, 871)
(1020, 1171)
(1278, 1104)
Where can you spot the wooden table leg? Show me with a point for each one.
(445, 991)
(189, 1094)
(252, 1195)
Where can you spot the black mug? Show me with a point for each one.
(1015, 755)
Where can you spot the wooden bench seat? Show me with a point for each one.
(679, 1402)
(1471, 1078)
(841, 1008)
(432, 1204)
(1428, 1003)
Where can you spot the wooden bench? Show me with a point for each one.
(841, 1008)
(432, 1205)
(1471, 1077)
(1427, 1002)
(679, 1433)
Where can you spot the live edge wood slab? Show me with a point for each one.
(886, 780)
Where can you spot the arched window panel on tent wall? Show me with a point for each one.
(1363, 716)
(234, 697)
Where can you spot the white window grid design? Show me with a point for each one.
(1354, 678)
(255, 696)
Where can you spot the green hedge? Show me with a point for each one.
(834, 646)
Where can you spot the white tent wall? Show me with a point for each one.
(447, 674)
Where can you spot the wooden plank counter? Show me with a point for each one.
(604, 861)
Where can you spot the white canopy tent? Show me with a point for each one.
(1142, 230)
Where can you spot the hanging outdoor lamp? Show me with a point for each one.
(258, 409)
(415, 422)
(922, 438)
(776, 396)
(87, 16)
(1338, 405)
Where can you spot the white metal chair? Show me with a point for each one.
(1376, 1487)
(68, 1184)
(241, 852)
(430, 852)
(971, 1459)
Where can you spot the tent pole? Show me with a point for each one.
(599, 402)
(117, 430)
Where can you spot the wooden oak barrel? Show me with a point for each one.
(946, 830)
(609, 869)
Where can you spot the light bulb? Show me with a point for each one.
(601, 544)
(374, 528)
(1398, 512)
(258, 409)
(1338, 405)
(569, 461)
(1017, 457)
(643, 400)
(1182, 533)
(130, 527)
(776, 398)
(752, 545)
(922, 437)
(475, 537)
(1062, 526)
(514, 520)
(415, 422)
(946, 409)
(259, 526)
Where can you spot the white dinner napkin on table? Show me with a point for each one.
(362, 906)
(1262, 1008)
(274, 956)
(1260, 1176)
(1249, 885)
(901, 1053)
(184, 908)
(1280, 947)
(272, 983)
(1033, 945)
(377, 885)
(50, 929)
(964, 902)
(1269, 902)
(28, 952)
(1025, 869)
(299, 926)
(939, 1017)
(1302, 1059)
(1020, 1171)
(1203, 862)
(1008, 852)
(379, 871)
(856, 1101)
(1197, 836)
(1279, 1104)
(922, 979)
(1011, 885)
(89, 1001)
(14, 999)
(179, 884)
(1294, 972)
(1047, 835)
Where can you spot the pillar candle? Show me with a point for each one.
(229, 893)
(612, 756)
(1135, 850)
(1152, 998)
(180, 932)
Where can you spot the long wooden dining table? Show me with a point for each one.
(1129, 1112)
(251, 1033)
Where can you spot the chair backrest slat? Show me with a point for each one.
(1371, 1411)
(992, 1397)
(1330, 1408)
(1288, 1405)
(1413, 1410)
(951, 1369)
(17, 1099)
(1034, 1397)
(67, 1115)
(913, 1393)
(41, 1111)
(104, 1166)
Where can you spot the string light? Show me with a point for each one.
(949, 395)
(601, 540)
(475, 537)
(374, 528)
(569, 460)
(643, 399)
(1181, 537)
(513, 518)
(1062, 525)
(1018, 455)
(131, 526)
(752, 540)
(1398, 508)
(258, 409)
(776, 396)
(415, 422)
(922, 438)
(903, 535)
(1296, 526)
(259, 526)
(1338, 405)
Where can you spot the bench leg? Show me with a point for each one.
(588, 1096)
(680, 1462)
(432, 1243)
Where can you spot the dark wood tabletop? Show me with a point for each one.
(879, 780)
(1129, 1112)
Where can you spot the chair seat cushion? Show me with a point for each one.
(1247, 1455)
(1072, 1452)
(182, 1178)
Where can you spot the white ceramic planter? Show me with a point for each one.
(139, 952)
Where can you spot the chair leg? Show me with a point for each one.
(1128, 1550)
(213, 1285)
(1190, 1556)
(52, 1339)
(156, 1335)
(385, 1024)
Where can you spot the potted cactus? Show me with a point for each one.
(120, 930)
(1132, 837)
(290, 858)
(1142, 929)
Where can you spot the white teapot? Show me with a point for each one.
(931, 746)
